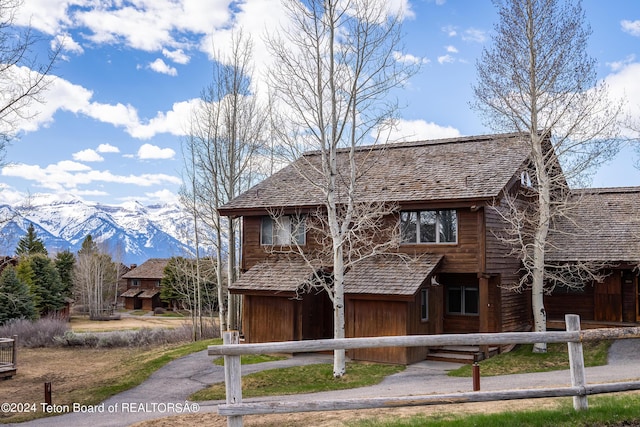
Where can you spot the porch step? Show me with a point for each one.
(459, 354)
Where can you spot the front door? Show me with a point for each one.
(608, 299)
(317, 316)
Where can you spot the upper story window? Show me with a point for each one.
(135, 282)
(438, 226)
(284, 230)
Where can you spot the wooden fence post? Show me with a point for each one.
(15, 352)
(233, 378)
(576, 364)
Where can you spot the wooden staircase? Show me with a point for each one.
(460, 354)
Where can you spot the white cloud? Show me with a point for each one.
(631, 27)
(451, 49)
(474, 35)
(618, 65)
(159, 66)
(107, 148)
(450, 30)
(624, 84)
(177, 56)
(408, 58)
(67, 43)
(416, 130)
(10, 196)
(67, 176)
(445, 59)
(87, 155)
(149, 152)
(162, 196)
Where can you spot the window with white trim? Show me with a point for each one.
(437, 226)
(283, 231)
(462, 300)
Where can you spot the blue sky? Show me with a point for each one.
(112, 125)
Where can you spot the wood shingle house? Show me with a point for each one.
(143, 285)
(605, 230)
(457, 279)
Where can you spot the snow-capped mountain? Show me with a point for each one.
(132, 232)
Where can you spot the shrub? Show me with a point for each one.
(36, 333)
(140, 338)
(159, 310)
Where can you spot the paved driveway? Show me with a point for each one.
(164, 393)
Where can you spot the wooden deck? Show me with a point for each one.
(7, 357)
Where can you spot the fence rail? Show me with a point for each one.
(8, 356)
(234, 408)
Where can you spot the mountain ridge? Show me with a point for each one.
(131, 231)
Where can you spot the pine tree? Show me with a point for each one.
(30, 244)
(64, 262)
(15, 300)
(44, 283)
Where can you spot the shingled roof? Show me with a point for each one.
(477, 167)
(380, 275)
(152, 268)
(605, 227)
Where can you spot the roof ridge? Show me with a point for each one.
(608, 190)
(425, 142)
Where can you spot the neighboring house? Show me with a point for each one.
(606, 229)
(444, 191)
(143, 285)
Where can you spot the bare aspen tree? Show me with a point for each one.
(335, 66)
(226, 136)
(23, 77)
(537, 78)
(95, 278)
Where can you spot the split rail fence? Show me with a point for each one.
(8, 356)
(235, 408)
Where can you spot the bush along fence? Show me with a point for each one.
(234, 408)
(8, 356)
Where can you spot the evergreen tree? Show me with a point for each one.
(89, 247)
(30, 244)
(64, 262)
(44, 283)
(15, 299)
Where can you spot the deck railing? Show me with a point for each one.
(234, 408)
(8, 356)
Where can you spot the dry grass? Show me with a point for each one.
(345, 418)
(83, 324)
(70, 372)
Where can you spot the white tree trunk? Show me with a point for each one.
(339, 363)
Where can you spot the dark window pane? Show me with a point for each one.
(408, 222)
(448, 226)
(266, 231)
(454, 300)
(424, 304)
(471, 300)
(428, 226)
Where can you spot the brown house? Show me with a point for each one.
(444, 191)
(606, 230)
(143, 285)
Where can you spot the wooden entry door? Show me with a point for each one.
(317, 316)
(608, 299)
